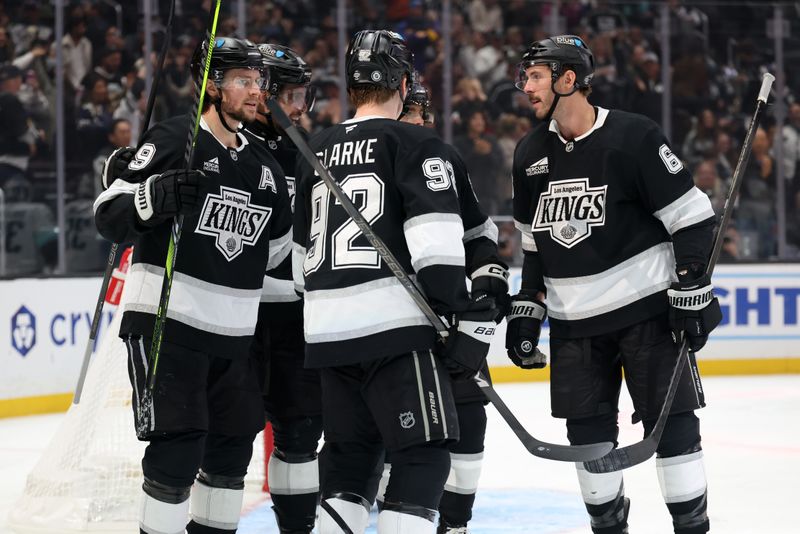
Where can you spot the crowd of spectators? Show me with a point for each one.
(716, 61)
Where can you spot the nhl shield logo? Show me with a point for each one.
(232, 220)
(569, 209)
(407, 420)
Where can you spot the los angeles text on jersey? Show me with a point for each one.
(569, 209)
(232, 220)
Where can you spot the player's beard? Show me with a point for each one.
(240, 113)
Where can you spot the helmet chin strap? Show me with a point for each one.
(556, 99)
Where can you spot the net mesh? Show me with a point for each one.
(89, 476)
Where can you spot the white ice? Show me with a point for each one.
(751, 438)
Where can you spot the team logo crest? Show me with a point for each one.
(23, 331)
(272, 144)
(232, 220)
(569, 209)
(407, 419)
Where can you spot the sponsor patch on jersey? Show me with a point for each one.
(540, 167)
(211, 165)
(672, 162)
(232, 220)
(569, 209)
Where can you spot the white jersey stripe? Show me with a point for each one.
(583, 297)
(117, 188)
(298, 257)
(487, 229)
(202, 305)
(277, 290)
(279, 249)
(690, 208)
(335, 315)
(435, 238)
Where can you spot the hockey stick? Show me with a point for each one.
(145, 409)
(551, 451)
(641, 451)
(112, 254)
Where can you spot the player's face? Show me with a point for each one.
(538, 89)
(295, 100)
(414, 115)
(241, 90)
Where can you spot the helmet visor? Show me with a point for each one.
(302, 97)
(537, 76)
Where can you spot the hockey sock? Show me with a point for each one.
(294, 487)
(216, 504)
(163, 509)
(351, 509)
(405, 518)
(455, 507)
(387, 469)
(683, 485)
(604, 497)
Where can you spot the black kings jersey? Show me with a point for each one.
(600, 211)
(278, 287)
(402, 179)
(242, 230)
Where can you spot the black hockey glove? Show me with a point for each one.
(467, 344)
(165, 195)
(492, 280)
(694, 311)
(116, 164)
(523, 327)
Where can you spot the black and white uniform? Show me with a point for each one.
(292, 393)
(466, 455)
(382, 384)
(604, 219)
(206, 385)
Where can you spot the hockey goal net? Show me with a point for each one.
(89, 475)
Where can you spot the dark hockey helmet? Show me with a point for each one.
(286, 67)
(378, 57)
(560, 53)
(228, 53)
(420, 96)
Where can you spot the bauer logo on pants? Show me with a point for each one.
(232, 220)
(569, 209)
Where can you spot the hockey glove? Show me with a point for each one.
(694, 311)
(165, 195)
(492, 280)
(116, 164)
(467, 345)
(524, 325)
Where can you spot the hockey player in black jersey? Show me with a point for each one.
(616, 239)
(292, 397)
(207, 405)
(489, 276)
(417, 106)
(383, 383)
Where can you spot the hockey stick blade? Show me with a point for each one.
(640, 452)
(564, 453)
(542, 449)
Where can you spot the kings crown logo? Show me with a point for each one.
(569, 209)
(232, 220)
